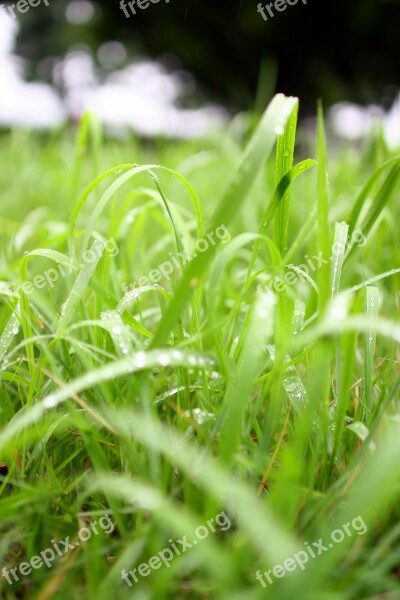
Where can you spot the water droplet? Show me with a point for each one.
(50, 401)
(291, 387)
(140, 359)
(198, 415)
(177, 354)
(164, 360)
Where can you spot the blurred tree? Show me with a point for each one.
(333, 50)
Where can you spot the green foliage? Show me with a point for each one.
(207, 389)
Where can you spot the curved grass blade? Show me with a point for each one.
(379, 202)
(363, 196)
(79, 288)
(258, 149)
(116, 185)
(139, 361)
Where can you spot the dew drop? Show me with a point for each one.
(50, 401)
(164, 360)
(140, 359)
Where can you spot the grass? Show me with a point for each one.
(212, 390)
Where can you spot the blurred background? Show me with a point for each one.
(181, 67)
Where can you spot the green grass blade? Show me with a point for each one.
(323, 215)
(258, 150)
(78, 289)
(284, 163)
(372, 312)
(365, 192)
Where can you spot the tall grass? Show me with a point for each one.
(210, 390)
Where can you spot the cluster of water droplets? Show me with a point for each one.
(119, 332)
(133, 294)
(10, 331)
(171, 358)
(338, 309)
(298, 316)
(338, 250)
(198, 415)
(292, 384)
(265, 312)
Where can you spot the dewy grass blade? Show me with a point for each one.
(10, 330)
(79, 287)
(139, 361)
(372, 312)
(298, 316)
(338, 252)
(249, 364)
(277, 197)
(259, 148)
(26, 316)
(273, 205)
(321, 355)
(292, 383)
(118, 331)
(284, 163)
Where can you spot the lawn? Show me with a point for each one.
(199, 364)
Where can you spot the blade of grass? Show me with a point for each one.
(260, 146)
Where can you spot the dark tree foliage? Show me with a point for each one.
(334, 50)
